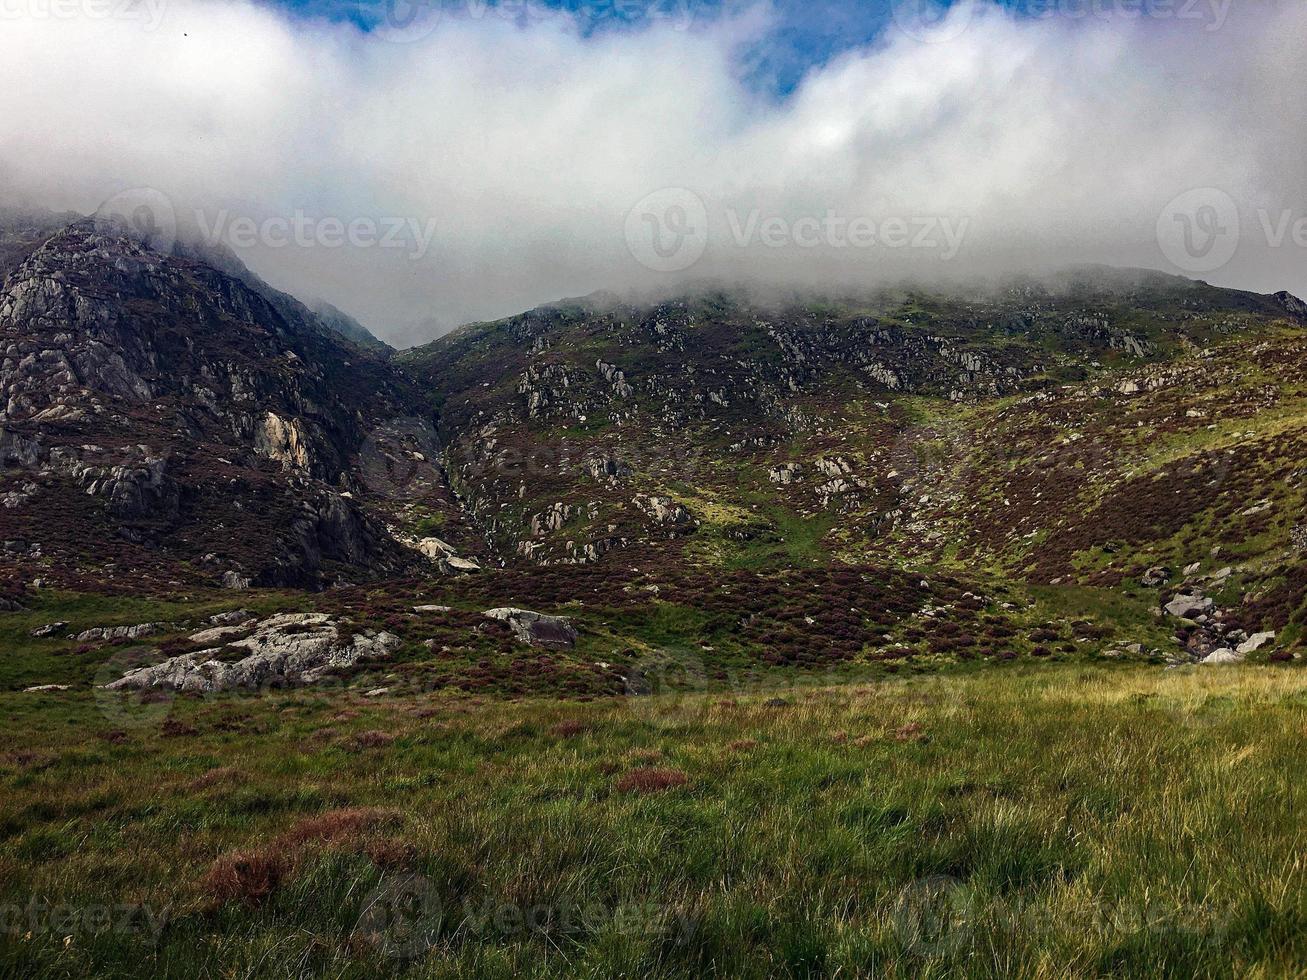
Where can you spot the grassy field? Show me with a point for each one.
(1028, 820)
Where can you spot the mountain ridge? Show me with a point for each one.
(179, 418)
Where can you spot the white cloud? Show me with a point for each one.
(1028, 143)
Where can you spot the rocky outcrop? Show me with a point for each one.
(1254, 643)
(785, 473)
(536, 629)
(663, 510)
(100, 634)
(160, 385)
(1188, 606)
(290, 649)
(1224, 655)
(1155, 577)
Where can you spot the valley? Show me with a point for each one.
(743, 635)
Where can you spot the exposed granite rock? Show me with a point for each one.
(289, 649)
(535, 628)
(105, 633)
(1255, 643)
(1188, 606)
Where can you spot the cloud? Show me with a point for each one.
(489, 164)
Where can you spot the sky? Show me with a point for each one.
(424, 165)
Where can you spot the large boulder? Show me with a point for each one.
(1188, 606)
(536, 628)
(293, 648)
(1222, 656)
(453, 565)
(1255, 642)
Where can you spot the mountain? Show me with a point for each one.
(349, 328)
(22, 230)
(904, 424)
(164, 419)
(169, 420)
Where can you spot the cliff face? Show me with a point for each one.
(156, 410)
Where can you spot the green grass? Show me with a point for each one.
(1041, 821)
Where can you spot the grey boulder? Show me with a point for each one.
(1188, 606)
(294, 648)
(1255, 642)
(535, 628)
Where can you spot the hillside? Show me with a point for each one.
(466, 661)
(164, 419)
(1080, 432)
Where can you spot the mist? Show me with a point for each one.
(485, 166)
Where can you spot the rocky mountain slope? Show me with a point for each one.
(166, 419)
(170, 421)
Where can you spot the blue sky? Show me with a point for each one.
(802, 34)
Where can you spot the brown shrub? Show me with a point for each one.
(29, 759)
(246, 876)
(373, 739)
(336, 826)
(390, 853)
(172, 728)
(569, 728)
(909, 732)
(650, 780)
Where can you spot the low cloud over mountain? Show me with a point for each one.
(466, 165)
